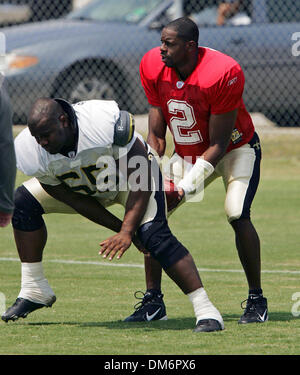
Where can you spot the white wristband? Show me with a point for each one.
(194, 179)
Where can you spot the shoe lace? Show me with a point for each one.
(250, 305)
(143, 297)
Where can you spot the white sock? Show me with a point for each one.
(34, 285)
(203, 308)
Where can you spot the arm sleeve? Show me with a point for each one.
(7, 158)
(30, 160)
(226, 94)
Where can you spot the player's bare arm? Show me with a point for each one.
(220, 130)
(89, 208)
(135, 209)
(157, 130)
(84, 205)
(157, 140)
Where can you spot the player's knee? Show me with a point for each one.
(232, 217)
(28, 211)
(234, 214)
(237, 215)
(161, 243)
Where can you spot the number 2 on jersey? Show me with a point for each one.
(182, 123)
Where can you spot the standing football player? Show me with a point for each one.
(197, 93)
(85, 158)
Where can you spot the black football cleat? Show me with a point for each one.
(256, 310)
(151, 307)
(208, 325)
(22, 307)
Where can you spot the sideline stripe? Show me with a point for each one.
(109, 264)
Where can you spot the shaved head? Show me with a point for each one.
(43, 111)
(51, 126)
(186, 29)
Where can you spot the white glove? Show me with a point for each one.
(194, 179)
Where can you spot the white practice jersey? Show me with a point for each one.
(92, 169)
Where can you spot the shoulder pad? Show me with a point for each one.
(124, 129)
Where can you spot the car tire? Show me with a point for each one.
(83, 83)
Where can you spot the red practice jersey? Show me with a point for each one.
(215, 86)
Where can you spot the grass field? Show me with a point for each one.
(94, 295)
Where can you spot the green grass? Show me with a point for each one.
(92, 299)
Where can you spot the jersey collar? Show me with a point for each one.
(68, 108)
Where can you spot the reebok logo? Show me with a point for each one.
(232, 81)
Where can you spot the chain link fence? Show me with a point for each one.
(81, 49)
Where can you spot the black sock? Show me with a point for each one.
(255, 292)
(153, 291)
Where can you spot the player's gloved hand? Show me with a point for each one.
(4, 219)
(174, 195)
(116, 244)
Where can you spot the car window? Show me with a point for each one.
(206, 13)
(280, 11)
(131, 11)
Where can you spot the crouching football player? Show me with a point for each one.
(81, 156)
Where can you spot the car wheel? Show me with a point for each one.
(89, 82)
(91, 88)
